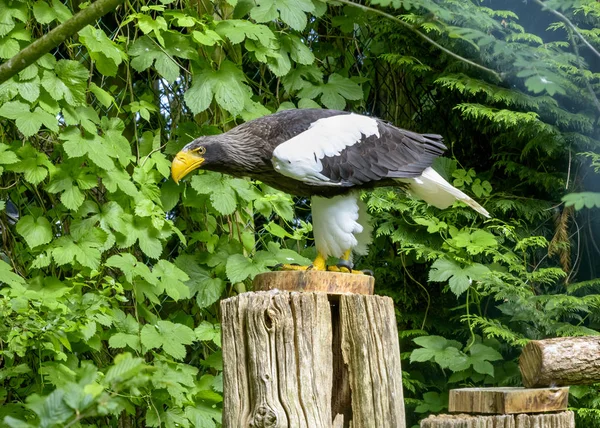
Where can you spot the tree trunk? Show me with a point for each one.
(561, 361)
(552, 420)
(310, 359)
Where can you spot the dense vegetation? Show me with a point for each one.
(111, 273)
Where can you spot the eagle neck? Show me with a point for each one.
(247, 152)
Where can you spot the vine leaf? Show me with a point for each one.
(169, 336)
(459, 278)
(292, 12)
(35, 231)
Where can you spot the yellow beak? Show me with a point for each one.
(184, 163)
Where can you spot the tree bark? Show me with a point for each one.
(561, 361)
(55, 37)
(308, 359)
(552, 420)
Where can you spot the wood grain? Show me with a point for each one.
(312, 280)
(552, 420)
(370, 349)
(280, 361)
(277, 360)
(561, 361)
(508, 400)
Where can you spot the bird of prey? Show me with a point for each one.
(329, 156)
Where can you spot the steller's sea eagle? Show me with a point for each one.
(329, 156)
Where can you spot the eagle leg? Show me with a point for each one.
(345, 265)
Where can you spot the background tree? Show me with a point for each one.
(111, 272)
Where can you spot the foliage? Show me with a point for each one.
(111, 273)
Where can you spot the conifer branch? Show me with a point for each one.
(55, 37)
(420, 34)
(567, 21)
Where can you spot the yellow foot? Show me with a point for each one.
(344, 269)
(318, 264)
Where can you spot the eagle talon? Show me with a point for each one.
(345, 264)
(368, 272)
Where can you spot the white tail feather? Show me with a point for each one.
(433, 189)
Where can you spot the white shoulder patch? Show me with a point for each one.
(300, 157)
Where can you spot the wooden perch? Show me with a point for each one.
(561, 361)
(552, 420)
(506, 401)
(313, 280)
(310, 359)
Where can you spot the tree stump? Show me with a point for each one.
(561, 361)
(311, 359)
(551, 420)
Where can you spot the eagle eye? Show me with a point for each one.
(200, 150)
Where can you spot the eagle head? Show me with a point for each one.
(205, 152)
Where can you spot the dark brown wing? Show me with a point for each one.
(396, 153)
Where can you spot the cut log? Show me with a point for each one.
(561, 361)
(313, 280)
(310, 360)
(551, 420)
(506, 401)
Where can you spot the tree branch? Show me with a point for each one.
(55, 37)
(423, 36)
(570, 24)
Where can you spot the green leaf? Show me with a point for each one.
(10, 278)
(103, 97)
(436, 343)
(106, 53)
(28, 122)
(122, 340)
(476, 242)
(125, 367)
(90, 145)
(421, 355)
(222, 195)
(433, 402)
(30, 90)
(239, 268)
(209, 332)
(207, 289)
(8, 47)
(168, 336)
(6, 155)
(237, 30)
(43, 13)
(61, 10)
(51, 410)
(292, 12)
(146, 52)
(35, 231)
(335, 92)
(68, 82)
(171, 280)
(298, 50)
(227, 85)
(207, 37)
(583, 199)
(459, 278)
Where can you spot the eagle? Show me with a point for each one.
(328, 156)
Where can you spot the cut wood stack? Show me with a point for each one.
(547, 368)
(505, 408)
